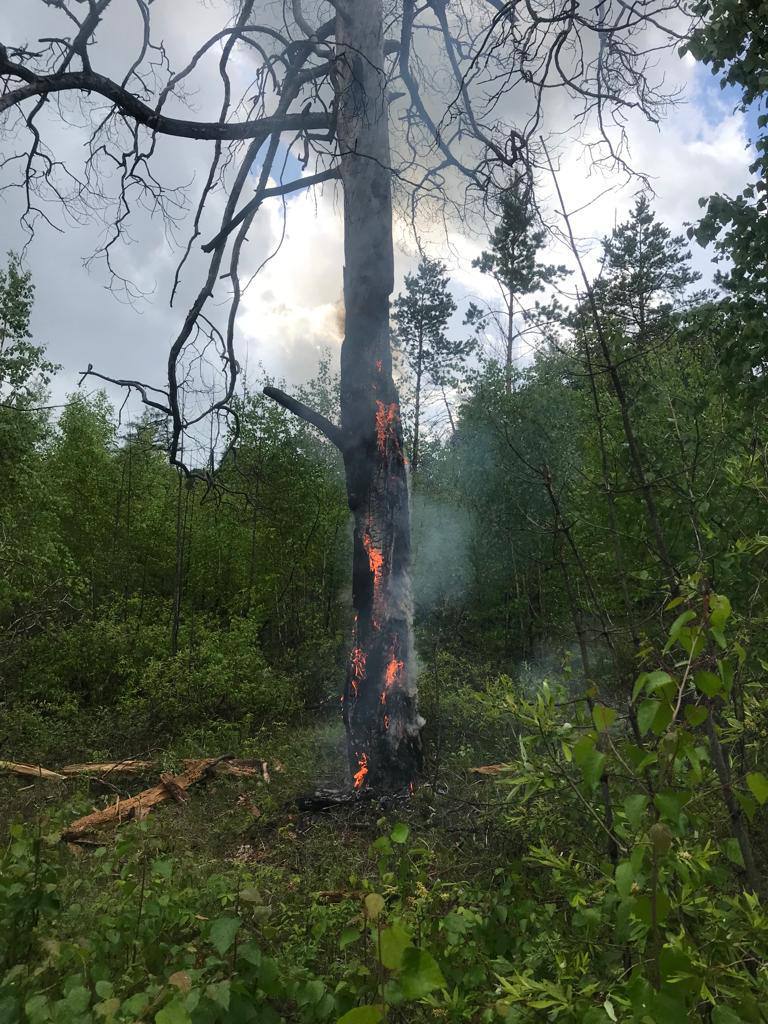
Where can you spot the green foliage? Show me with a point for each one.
(136, 609)
(731, 40)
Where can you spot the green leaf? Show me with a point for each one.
(250, 953)
(748, 805)
(707, 682)
(589, 760)
(374, 904)
(173, 1013)
(603, 717)
(639, 686)
(625, 876)
(394, 941)
(107, 1008)
(251, 895)
(348, 936)
(642, 908)
(223, 932)
(695, 715)
(78, 999)
(719, 610)
(363, 1015)
(679, 622)
(218, 992)
(691, 641)
(758, 786)
(634, 808)
(400, 833)
(724, 1015)
(656, 680)
(670, 804)
(646, 714)
(662, 718)
(733, 852)
(420, 973)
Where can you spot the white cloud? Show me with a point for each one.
(290, 312)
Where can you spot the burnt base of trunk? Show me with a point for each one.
(328, 799)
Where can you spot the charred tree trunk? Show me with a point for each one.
(380, 710)
(380, 713)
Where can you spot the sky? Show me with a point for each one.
(290, 313)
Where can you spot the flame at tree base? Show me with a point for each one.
(362, 771)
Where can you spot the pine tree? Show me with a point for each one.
(421, 314)
(645, 275)
(512, 261)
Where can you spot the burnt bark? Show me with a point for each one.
(380, 707)
(380, 711)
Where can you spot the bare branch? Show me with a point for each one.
(129, 105)
(269, 193)
(331, 431)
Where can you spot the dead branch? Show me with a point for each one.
(139, 806)
(34, 771)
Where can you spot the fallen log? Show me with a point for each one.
(127, 767)
(34, 771)
(139, 806)
(249, 767)
(179, 794)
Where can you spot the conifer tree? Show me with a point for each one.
(421, 314)
(512, 260)
(646, 271)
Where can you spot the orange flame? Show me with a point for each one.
(361, 772)
(394, 672)
(386, 721)
(386, 425)
(358, 660)
(375, 557)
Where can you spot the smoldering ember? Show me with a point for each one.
(382, 498)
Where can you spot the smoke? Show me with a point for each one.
(441, 535)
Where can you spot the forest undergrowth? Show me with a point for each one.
(514, 894)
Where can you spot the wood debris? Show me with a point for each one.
(489, 769)
(249, 767)
(174, 789)
(34, 771)
(128, 767)
(139, 806)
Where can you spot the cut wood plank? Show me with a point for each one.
(139, 806)
(34, 771)
(127, 767)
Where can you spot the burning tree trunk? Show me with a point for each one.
(380, 710)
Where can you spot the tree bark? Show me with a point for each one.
(380, 709)
(510, 343)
